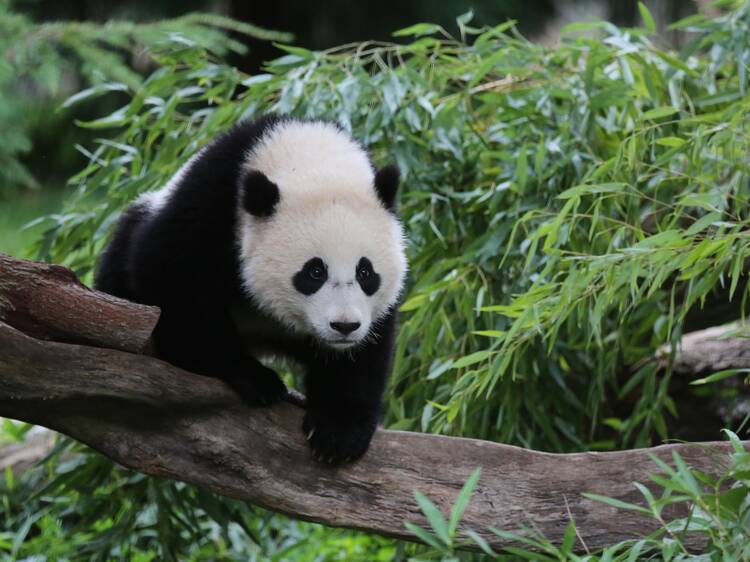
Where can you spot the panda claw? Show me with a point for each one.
(310, 434)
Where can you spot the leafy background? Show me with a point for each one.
(570, 209)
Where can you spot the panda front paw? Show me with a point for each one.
(261, 387)
(337, 441)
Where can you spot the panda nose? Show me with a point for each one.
(345, 328)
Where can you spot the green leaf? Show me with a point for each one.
(689, 21)
(578, 27)
(414, 303)
(480, 542)
(418, 30)
(737, 270)
(569, 538)
(647, 18)
(619, 504)
(115, 119)
(705, 201)
(666, 239)
(425, 537)
(471, 359)
(301, 52)
(672, 142)
(465, 18)
(489, 333)
(733, 500)
(435, 518)
(703, 223)
(735, 441)
(463, 501)
(675, 62)
(592, 189)
(93, 92)
(522, 169)
(439, 369)
(720, 375)
(659, 113)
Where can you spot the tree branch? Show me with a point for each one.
(706, 351)
(157, 419)
(49, 302)
(699, 354)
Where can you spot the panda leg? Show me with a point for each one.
(344, 392)
(343, 404)
(207, 343)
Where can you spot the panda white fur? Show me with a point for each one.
(278, 237)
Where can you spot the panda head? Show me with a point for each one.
(321, 249)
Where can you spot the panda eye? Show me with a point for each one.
(316, 270)
(311, 277)
(364, 273)
(366, 277)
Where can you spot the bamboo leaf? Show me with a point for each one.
(647, 18)
(720, 375)
(659, 113)
(436, 519)
(463, 501)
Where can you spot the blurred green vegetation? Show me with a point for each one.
(43, 63)
(16, 238)
(569, 210)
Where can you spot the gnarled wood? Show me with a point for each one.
(49, 302)
(157, 419)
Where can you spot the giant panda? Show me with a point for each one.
(279, 237)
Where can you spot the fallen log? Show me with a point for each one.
(157, 419)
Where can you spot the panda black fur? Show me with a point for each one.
(278, 237)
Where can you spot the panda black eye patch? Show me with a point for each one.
(311, 277)
(367, 278)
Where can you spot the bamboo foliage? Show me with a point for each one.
(42, 62)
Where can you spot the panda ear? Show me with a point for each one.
(386, 185)
(259, 194)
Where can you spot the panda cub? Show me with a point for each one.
(276, 238)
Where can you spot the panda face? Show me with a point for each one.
(320, 247)
(338, 303)
(329, 270)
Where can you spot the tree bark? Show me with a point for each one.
(156, 419)
(706, 351)
(702, 414)
(49, 302)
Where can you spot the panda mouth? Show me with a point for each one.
(341, 342)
